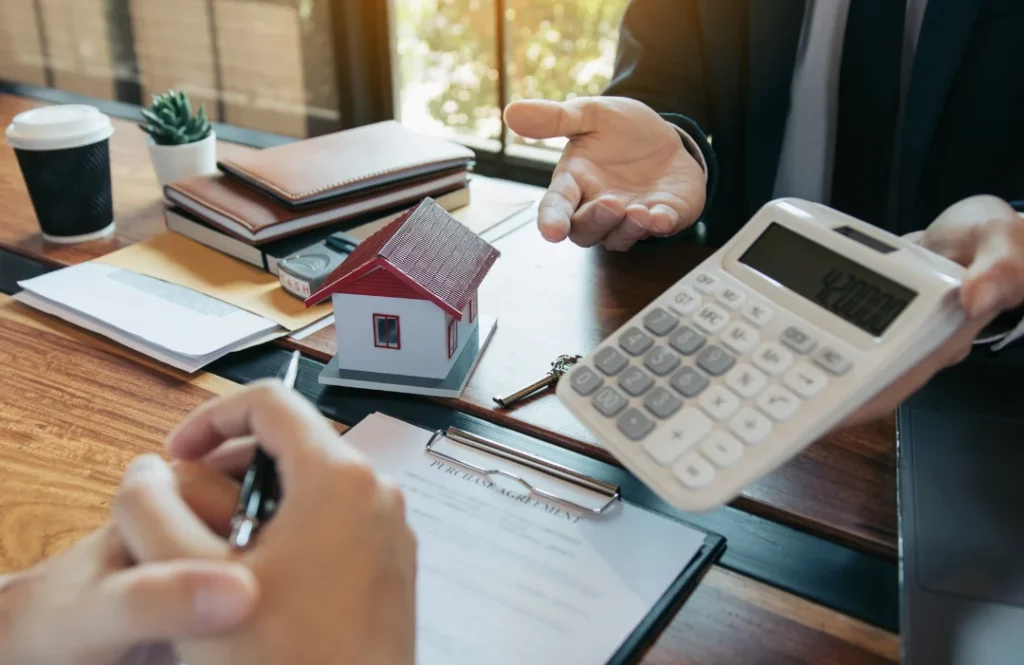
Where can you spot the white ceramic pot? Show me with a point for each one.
(175, 162)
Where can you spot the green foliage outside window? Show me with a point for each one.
(554, 50)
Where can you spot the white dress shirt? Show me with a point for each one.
(806, 161)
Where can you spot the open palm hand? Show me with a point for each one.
(624, 175)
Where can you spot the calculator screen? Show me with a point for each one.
(844, 287)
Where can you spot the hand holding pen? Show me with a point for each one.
(258, 498)
(335, 567)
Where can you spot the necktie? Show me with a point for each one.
(869, 103)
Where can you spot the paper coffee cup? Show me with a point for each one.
(64, 157)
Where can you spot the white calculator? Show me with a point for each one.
(768, 344)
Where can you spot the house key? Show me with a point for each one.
(561, 365)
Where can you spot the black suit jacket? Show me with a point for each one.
(722, 69)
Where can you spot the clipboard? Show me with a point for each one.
(635, 646)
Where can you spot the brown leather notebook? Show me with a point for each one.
(237, 210)
(343, 163)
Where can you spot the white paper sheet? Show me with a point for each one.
(506, 579)
(303, 333)
(175, 325)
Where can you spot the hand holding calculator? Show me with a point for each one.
(800, 319)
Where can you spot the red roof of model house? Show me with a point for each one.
(425, 253)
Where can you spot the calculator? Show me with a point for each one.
(772, 341)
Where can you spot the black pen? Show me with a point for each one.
(258, 499)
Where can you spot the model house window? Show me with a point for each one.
(472, 310)
(453, 335)
(386, 332)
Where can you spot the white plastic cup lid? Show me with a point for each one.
(58, 127)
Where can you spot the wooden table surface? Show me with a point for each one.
(76, 408)
(550, 299)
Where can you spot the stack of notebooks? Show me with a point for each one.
(269, 204)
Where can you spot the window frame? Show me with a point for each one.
(362, 35)
(398, 332)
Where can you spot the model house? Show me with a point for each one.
(405, 301)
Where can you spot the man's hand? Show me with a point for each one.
(91, 606)
(984, 234)
(624, 175)
(336, 566)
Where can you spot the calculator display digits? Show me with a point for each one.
(857, 294)
(800, 319)
(859, 302)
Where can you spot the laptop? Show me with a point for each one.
(960, 445)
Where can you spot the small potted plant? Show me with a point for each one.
(180, 144)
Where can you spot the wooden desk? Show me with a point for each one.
(74, 409)
(550, 299)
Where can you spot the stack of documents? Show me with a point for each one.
(179, 260)
(174, 300)
(173, 324)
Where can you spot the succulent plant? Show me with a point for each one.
(170, 121)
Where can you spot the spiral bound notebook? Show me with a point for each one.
(522, 560)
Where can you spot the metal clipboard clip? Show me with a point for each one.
(528, 460)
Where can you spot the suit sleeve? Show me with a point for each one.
(660, 62)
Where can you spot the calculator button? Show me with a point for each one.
(831, 360)
(746, 380)
(609, 402)
(714, 360)
(706, 283)
(778, 402)
(585, 380)
(694, 472)
(750, 426)
(711, 318)
(806, 380)
(686, 340)
(757, 314)
(772, 358)
(740, 337)
(675, 438)
(635, 382)
(689, 381)
(635, 341)
(660, 322)
(661, 361)
(798, 340)
(610, 361)
(719, 402)
(722, 449)
(634, 424)
(731, 298)
(662, 402)
(685, 302)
